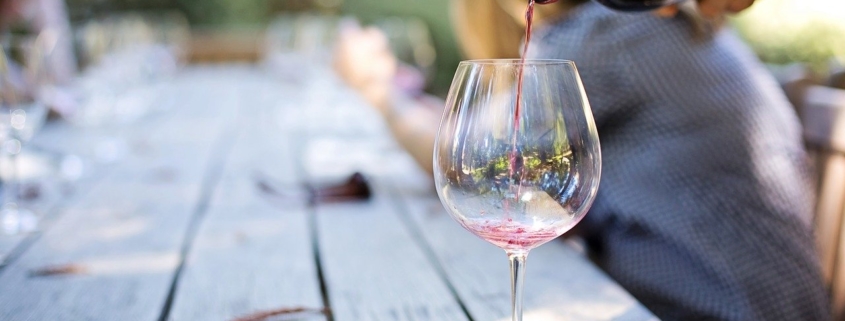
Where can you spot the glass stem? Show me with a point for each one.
(517, 262)
(11, 188)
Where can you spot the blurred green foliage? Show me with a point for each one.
(780, 31)
(225, 12)
(788, 31)
(257, 13)
(198, 12)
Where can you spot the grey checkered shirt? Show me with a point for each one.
(705, 205)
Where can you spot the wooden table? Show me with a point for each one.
(179, 229)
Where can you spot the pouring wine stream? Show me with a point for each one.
(529, 21)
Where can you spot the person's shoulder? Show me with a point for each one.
(592, 29)
(599, 38)
(594, 18)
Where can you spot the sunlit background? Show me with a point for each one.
(782, 32)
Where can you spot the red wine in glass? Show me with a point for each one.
(514, 236)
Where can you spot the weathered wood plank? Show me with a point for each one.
(373, 266)
(8, 243)
(127, 239)
(254, 250)
(560, 283)
(249, 256)
(47, 208)
(62, 140)
(53, 192)
(125, 234)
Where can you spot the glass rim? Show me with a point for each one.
(517, 61)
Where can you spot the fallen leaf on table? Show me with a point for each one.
(263, 315)
(55, 270)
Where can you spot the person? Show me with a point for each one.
(705, 204)
(366, 63)
(49, 19)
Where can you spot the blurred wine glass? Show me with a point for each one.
(124, 56)
(517, 168)
(298, 50)
(25, 82)
(308, 35)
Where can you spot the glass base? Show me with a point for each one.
(16, 220)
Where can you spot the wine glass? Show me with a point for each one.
(517, 165)
(23, 79)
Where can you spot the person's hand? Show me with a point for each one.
(710, 9)
(364, 60)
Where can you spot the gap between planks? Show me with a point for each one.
(220, 153)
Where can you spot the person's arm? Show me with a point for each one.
(364, 61)
(414, 125)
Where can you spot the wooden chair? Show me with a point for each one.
(837, 79)
(794, 79)
(823, 117)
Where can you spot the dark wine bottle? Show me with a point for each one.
(636, 5)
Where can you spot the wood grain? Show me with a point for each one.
(375, 269)
(125, 233)
(253, 251)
